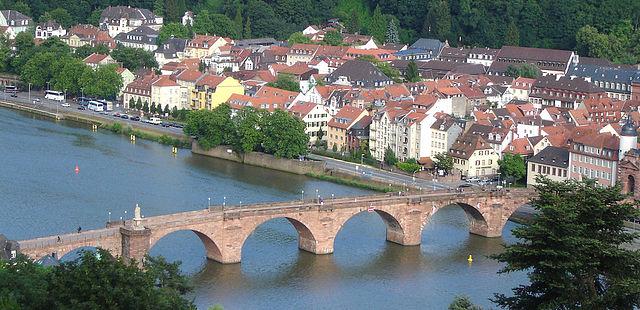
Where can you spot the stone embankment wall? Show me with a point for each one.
(262, 160)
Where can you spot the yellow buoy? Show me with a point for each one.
(470, 259)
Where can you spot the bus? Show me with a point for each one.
(108, 105)
(95, 106)
(11, 89)
(54, 95)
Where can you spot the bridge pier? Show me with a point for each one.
(492, 223)
(135, 243)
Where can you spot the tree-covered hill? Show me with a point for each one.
(601, 28)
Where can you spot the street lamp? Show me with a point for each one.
(303, 195)
(109, 216)
(317, 195)
(48, 86)
(209, 202)
(29, 92)
(224, 201)
(362, 159)
(65, 95)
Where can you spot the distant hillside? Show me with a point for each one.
(604, 28)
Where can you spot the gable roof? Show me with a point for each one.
(95, 58)
(360, 72)
(552, 156)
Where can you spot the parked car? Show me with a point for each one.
(177, 125)
(65, 104)
(124, 116)
(14, 95)
(82, 107)
(473, 179)
(165, 124)
(464, 185)
(135, 118)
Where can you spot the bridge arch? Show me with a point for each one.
(76, 253)
(211, 247)
(307, 235)
(395, 230)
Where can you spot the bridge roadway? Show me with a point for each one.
(223, 229)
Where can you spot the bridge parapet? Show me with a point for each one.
(224, 229)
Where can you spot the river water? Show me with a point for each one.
(41, 195)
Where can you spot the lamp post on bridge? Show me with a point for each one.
(302, 195)
(209, 205)
(224, 201)
(109, 217)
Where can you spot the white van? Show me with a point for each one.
(155, 121)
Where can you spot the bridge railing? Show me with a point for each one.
(71, 238)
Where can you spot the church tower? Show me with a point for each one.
(628, 137)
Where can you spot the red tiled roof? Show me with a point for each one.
(95, 58)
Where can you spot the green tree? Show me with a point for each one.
(237, 20)
(573, 250)
(298, 38)
(247, 127)
(132, 103)
(286, 82)
(377, 25)
(153, 108)
(158, 7)
(139, 105)
(174, 10)
(5, 54)
(176, 30)
(59, 15)
(145, 107)
(37, 70)
(247, 29)
(512, 166)
(412, 75)
(166, 110)
(392, 32)
(83, 51)
(437, 22)
(444, 162)
(390, 157)
(174, 112)
(26, 285)
(68, 74)
(211, 128)
(22, 7)
(332, 38)
(134, 58)
(512, 37)
(104, 82)
(284, 135)
(525, 70)
(353, 24)
(462, 303)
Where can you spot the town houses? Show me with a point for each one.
(570, 117)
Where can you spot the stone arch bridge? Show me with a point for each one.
(223, 231)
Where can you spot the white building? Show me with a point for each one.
(315, 116)
(123, 19)
(15, 22)
(49, 29)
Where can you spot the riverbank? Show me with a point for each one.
(105, 122)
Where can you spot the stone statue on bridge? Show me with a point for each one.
(137, 218)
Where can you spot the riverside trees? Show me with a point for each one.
(276, 133)
(573, 250)
(93, 281)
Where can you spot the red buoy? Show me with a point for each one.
(77, 170)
